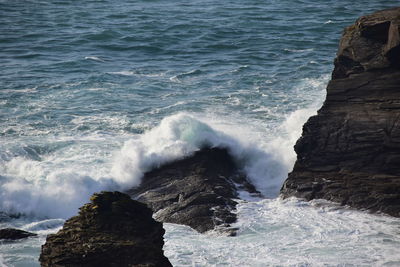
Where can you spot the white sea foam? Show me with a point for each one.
(169, 107)
(266, 155)
(124, 73)
(59, 183)
(25, 90)
(299, 50)
(265, 160)
(2, 263)
(104, 120)
(58, 195)
(55, 184)
(178, 78)
(44, 225)
(95, 59)
(273, 232)
(138, 73)
(177, 136)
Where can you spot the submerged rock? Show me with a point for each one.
(350, 151)
(111, 230)
(14, 234)
(197, 191)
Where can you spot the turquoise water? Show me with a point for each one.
(94, 93)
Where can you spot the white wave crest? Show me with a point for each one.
(56, 196)
(95, 59)
(266, 161)
(176, 137)
(56, 184)
(44, 225)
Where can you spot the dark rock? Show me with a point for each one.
(371, 43)
(197, 191)
(111, 230)
(350, 152)
(14, 234)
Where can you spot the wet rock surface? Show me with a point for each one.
(14, 234)
(350, 151)
(111, 230)
(198, 191)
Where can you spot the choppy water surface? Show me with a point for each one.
(94, 93)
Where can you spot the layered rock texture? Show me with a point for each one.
(112, 230)
(14, 234)
(197, 191)
(350, 152)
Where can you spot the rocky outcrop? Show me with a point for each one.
(350, 151)
(111, 230)
(14, 234)
(197, 191)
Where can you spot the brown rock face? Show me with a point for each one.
(112, 230)
(350, 152)
(197, 191)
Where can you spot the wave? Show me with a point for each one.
(95, 59)
(55, 185)
(179, 77)
(176, 137)
(44, 225)
(137, 73)
(299, 50)
(25, 90)
(54, 195)
(266, 163)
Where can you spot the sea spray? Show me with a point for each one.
(265, 162)
(49, 188)
(57, 195)
(175, 137)
(64, 119)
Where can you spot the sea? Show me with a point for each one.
(95, 93)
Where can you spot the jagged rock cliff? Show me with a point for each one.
(111, 230)
(197, 191)
(350, 151)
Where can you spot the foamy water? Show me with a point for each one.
(52, 176)
(274, 232)
(95, 93)
(33, 182)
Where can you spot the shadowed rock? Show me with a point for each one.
(14, 234)
(111, 230)
(197, 191)
(350, 152)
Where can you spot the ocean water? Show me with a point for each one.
(94, 93)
